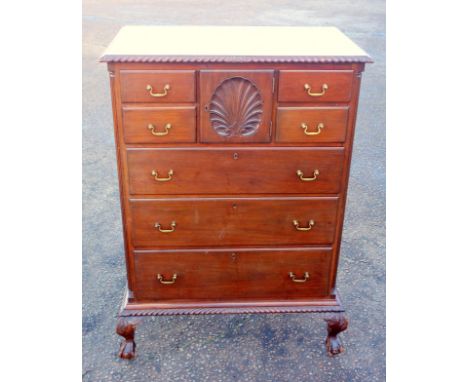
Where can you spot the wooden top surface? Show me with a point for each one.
(232, 44)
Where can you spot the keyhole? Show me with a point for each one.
(235, 156)
(233, 256)
(234, 206)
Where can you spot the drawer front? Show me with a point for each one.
(315, 85)
(161, 124)
(185, 222)
(236, 106)
(232, 274)
(157, 85)
(237, 170)
(311, 124)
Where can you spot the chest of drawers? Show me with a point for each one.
(233, 149)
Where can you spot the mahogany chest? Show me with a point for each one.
(233, 149)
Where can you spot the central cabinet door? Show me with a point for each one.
(236, 106)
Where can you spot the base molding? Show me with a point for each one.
(132, 312)
(223, 310)
(177, 308)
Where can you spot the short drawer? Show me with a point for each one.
(191, 222)
(315, 85)
(235, 171)
(159, 124)
(232, 274)
(157, 85)
(311, 124)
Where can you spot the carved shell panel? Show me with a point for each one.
(236, 108)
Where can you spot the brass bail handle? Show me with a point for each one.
(293, 277)
(152, 128)
(299, 228)
(318, 130)
(308, 89)
(163, 94)
(154, 173)
(165, 230)
(167, 282)
(301, 176)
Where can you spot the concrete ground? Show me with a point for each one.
(242, 347)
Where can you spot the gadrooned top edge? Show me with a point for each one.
(235, 59)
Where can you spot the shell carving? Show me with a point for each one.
(236, 108)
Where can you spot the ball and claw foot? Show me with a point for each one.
(126, 329)
(335, 325)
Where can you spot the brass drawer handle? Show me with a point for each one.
(320, 126)
(152, 128)
(150, 90)
(292, 276)
(296, 224)
(167, 282)
(163, 230)
(308, 89)
(301, 176)
(154, 173)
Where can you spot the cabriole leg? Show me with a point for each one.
(126, 328)
(336, 323)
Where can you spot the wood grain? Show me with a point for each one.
(290, 119)
(239, 275)
(291, 85)
(234, 192)
(235, 170)
(181, 118)
(232, 221)
(134, 85)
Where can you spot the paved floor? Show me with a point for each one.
(235, 348)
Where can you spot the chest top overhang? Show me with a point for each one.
(245, 44)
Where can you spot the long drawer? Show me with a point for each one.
(191, 222)
(238, 273)
(235, 170)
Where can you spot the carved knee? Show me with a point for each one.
(336, 323)
(126, 329)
